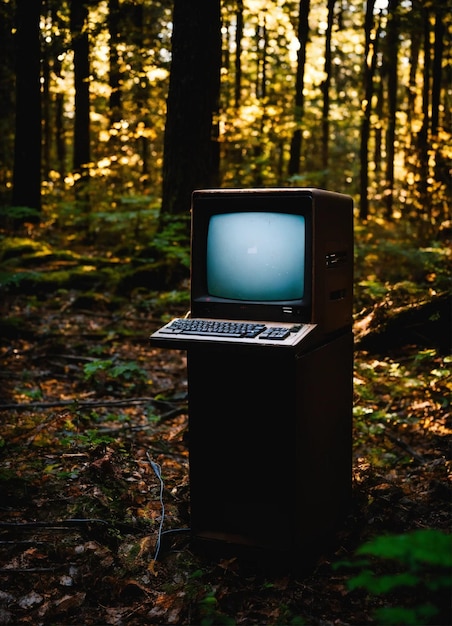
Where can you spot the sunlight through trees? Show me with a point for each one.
(349, 97)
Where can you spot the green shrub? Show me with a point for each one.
(106, 375)
(418, 562)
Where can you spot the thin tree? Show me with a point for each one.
(80, 45)
(55, 104)
(441, 167)
(326, 91)
(423, 135)
(27, 148)
(46, 98)
(7, 87)
(115, 76)
(392, 50)
(238, 53)
(438, 53)
(261, 53)
(415, 46)
(380, 91)
(296, 142)
(370, 62)
(190, 155)
(60, 132)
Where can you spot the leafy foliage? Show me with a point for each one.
(10, 215)
(423, 563)
(391, 266)
(106, 374)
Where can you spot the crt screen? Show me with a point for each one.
(256, 256)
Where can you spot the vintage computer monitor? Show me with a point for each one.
(270, 420)
(273, 254)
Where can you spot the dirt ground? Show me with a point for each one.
(86, 405)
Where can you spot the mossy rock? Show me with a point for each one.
(95, 301)
(158, 276)
(36, 283)
(13, 247)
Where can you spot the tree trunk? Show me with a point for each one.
(415, 45)
(297, 137)
(326, 92)
(27, 149)
(238, 54)
(190, 156)
(370, 62)
(423, 138)
(391, 64)
(425, 324)
(47, 129)
(7, 100)
(378, 130)
(261, 53)
(438, 52)
(60, 135)
(80, 45)
(115, 82)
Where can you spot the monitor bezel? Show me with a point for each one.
(205, 204)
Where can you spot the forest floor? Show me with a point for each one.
(87, 404)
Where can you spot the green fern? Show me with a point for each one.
(419, 561)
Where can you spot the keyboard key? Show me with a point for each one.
(275, 333)
(214, 328)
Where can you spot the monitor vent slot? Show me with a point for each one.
(335, 259)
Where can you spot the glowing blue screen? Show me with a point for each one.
(256, 256)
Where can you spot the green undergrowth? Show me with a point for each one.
(415, 567)
(392, 265)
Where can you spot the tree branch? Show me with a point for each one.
(28, 406)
